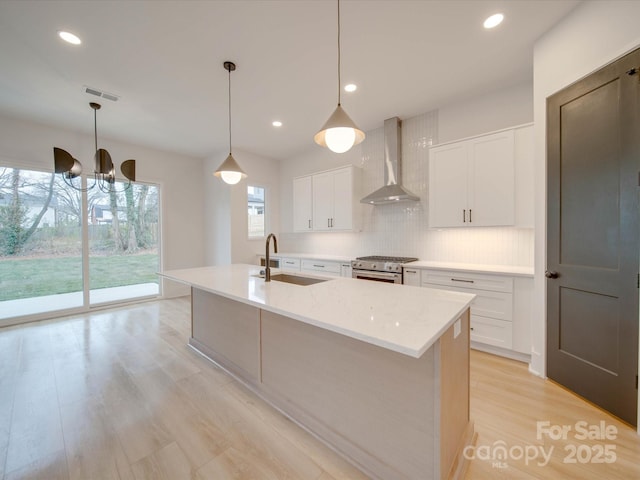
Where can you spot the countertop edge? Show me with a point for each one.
(508, 270)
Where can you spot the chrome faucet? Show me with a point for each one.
(267, 270)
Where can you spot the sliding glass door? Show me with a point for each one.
(56, 254)
(123, 243)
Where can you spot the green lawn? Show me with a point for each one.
(25, 278)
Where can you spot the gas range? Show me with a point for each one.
(380, 268)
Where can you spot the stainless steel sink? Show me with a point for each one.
(296, 279)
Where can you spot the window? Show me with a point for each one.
(256, 211)
(42, 254)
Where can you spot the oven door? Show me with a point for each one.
(386, 277)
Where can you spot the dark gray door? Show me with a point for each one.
(593, 155)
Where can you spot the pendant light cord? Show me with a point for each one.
(229, 111)
(338, 52)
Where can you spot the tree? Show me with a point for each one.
(141, 223)
(115, 221)
(132, 222)
(14, 234)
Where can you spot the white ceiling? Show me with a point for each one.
(164, 59)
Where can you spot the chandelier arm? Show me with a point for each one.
(95, 128)
(79, 189)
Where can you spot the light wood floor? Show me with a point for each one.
(117, 395)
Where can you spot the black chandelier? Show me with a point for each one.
(104, 171)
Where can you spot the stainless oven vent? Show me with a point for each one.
(392, 191)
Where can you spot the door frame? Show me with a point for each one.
(541, 92)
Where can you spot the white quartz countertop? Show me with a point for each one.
(512, 270)
(400, 318)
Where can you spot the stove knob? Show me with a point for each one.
(360, 264)
(373, 266)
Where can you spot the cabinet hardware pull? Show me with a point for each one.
(328, 222)
(332, 223)
(319, 266)
(309, 223)
(411, 271)
(461, 280)
(464, 216)
(470, 216)
(471, 328)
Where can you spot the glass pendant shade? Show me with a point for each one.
(230, 171)
(339, 133)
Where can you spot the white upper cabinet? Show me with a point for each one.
(343, 199)
(326, 201)
(302, 205)
(448, 185)
(472, 182)
(323, 200)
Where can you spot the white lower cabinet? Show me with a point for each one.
(290, 264)
(332, 269)
(411, 276)
(500, 313)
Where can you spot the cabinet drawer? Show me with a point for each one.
(491, 331)
(411, 276)
(497, 305)
(480, 281)
(290, 264)
(330, 268)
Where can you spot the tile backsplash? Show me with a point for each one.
(403, 229)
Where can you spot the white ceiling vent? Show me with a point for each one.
(100, 93)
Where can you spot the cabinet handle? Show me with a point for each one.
(332, 223)
(319, 266)
(410, 271)
(471, 328)
(470, 216)
(289, 263)
(461, 280)
(309, 223)
(328, 222)
(464, 216)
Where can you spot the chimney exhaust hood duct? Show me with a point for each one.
(393, 191)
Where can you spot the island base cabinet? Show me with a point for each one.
(395, 416)
(392, 415)
(228, 332)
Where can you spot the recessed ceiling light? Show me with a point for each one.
(276, 123)
(352, 87)
(69, 37)
(493, 20)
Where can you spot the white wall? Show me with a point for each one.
(494, 111)
(402, 229)
(226, 236)
(30, 145)
(594, 34)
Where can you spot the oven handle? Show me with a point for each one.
(372, 274)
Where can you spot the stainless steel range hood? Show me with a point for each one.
(393, 191)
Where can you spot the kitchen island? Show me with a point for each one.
(379, 372)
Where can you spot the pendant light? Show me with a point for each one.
(104, 172)
(339, 133)
(229, 170)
